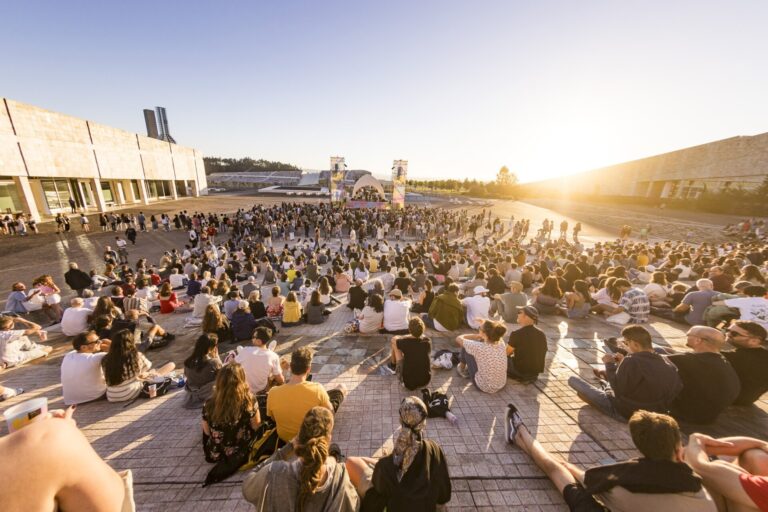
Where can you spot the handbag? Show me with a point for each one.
(162, 387)
(53, 298)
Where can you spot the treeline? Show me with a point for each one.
(218, 164)
(503, 187)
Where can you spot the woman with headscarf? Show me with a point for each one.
(413, 477)
(302, 476)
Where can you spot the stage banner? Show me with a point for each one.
(336, 181)
(399, 175)
(377, 205)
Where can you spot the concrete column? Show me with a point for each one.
(130, 196)
(174, 192)
(119, 185)
(95, 184)
(195, 189)
(26, 196)
(143, 191)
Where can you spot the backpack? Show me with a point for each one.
(437, 403)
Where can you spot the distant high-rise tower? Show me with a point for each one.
(151, 122)
(162, 122)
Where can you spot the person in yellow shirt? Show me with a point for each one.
(291, 310)
(289, 403)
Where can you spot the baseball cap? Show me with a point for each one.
(480, 289)
(531, 312)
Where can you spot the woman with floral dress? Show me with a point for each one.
(230, 416)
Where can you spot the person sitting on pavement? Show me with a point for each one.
(18, 301)
(483, 357)
(200, 370)
(169, 302)
(315, 312)
(634, 306)
(315, 481)
(15, 346)
(710, 384)
(275, 304)
(527, 347)
(82, 376)
(749, 359)
(126, 369)
(76, 318)
(413, 477)
(396, 313)
(659, 480)
(643, 379)
(292, 312)
(507, 304)
(357, 295)
(734, 470)
(260, 362)
(410, 356)
(695, 303)
(231, 304)
(203, 300)
(230, 416)
(289, 403)
(242, 323)
(177, 280)
(478, 307)
(446, 312)
(194, 285)
(753, 307)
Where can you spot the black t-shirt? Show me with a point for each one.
(530, 344)
(751, 365)
(417, 370)
(403, 283)
(496, 285)
(710, 384)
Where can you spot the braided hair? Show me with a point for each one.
(312, 445)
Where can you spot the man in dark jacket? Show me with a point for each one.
(642, 379)
(77, 279)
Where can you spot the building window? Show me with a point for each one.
(57, 193)
(9, 197)
(106, 192)
(159, 189)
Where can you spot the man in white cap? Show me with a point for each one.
(396, 312)
(478, 307)
(250, 286)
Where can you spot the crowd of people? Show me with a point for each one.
(402, 273)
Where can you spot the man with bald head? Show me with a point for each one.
(695, 303)
(710, 384)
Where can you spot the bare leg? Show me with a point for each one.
(357, 467)
(557, 471)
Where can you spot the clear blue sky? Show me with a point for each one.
(458, 88)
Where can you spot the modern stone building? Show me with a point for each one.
(46, 158)
(737, 162)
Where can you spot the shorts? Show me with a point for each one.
(579, 500)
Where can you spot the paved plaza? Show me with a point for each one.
(161, 441)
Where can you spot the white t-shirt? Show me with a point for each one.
(478, 308)
(201, 303)
(258, 364)
(176, 280)
(75, 320)
(754, 309)
(396, 314)
(82, 378)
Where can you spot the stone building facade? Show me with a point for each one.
(46, 158)
(737, 162)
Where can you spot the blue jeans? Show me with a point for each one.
(600, 399)
(469, 360)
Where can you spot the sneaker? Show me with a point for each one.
(10, 393)
(387, 369)
(169, 336)
(512, 423)
(463, 371)
(272, 345)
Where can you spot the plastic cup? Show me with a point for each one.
(152, 390)
(43, 335)
(21, 415)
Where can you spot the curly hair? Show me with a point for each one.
(313, 443)
(231, 396)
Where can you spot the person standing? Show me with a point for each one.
(72, 205)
